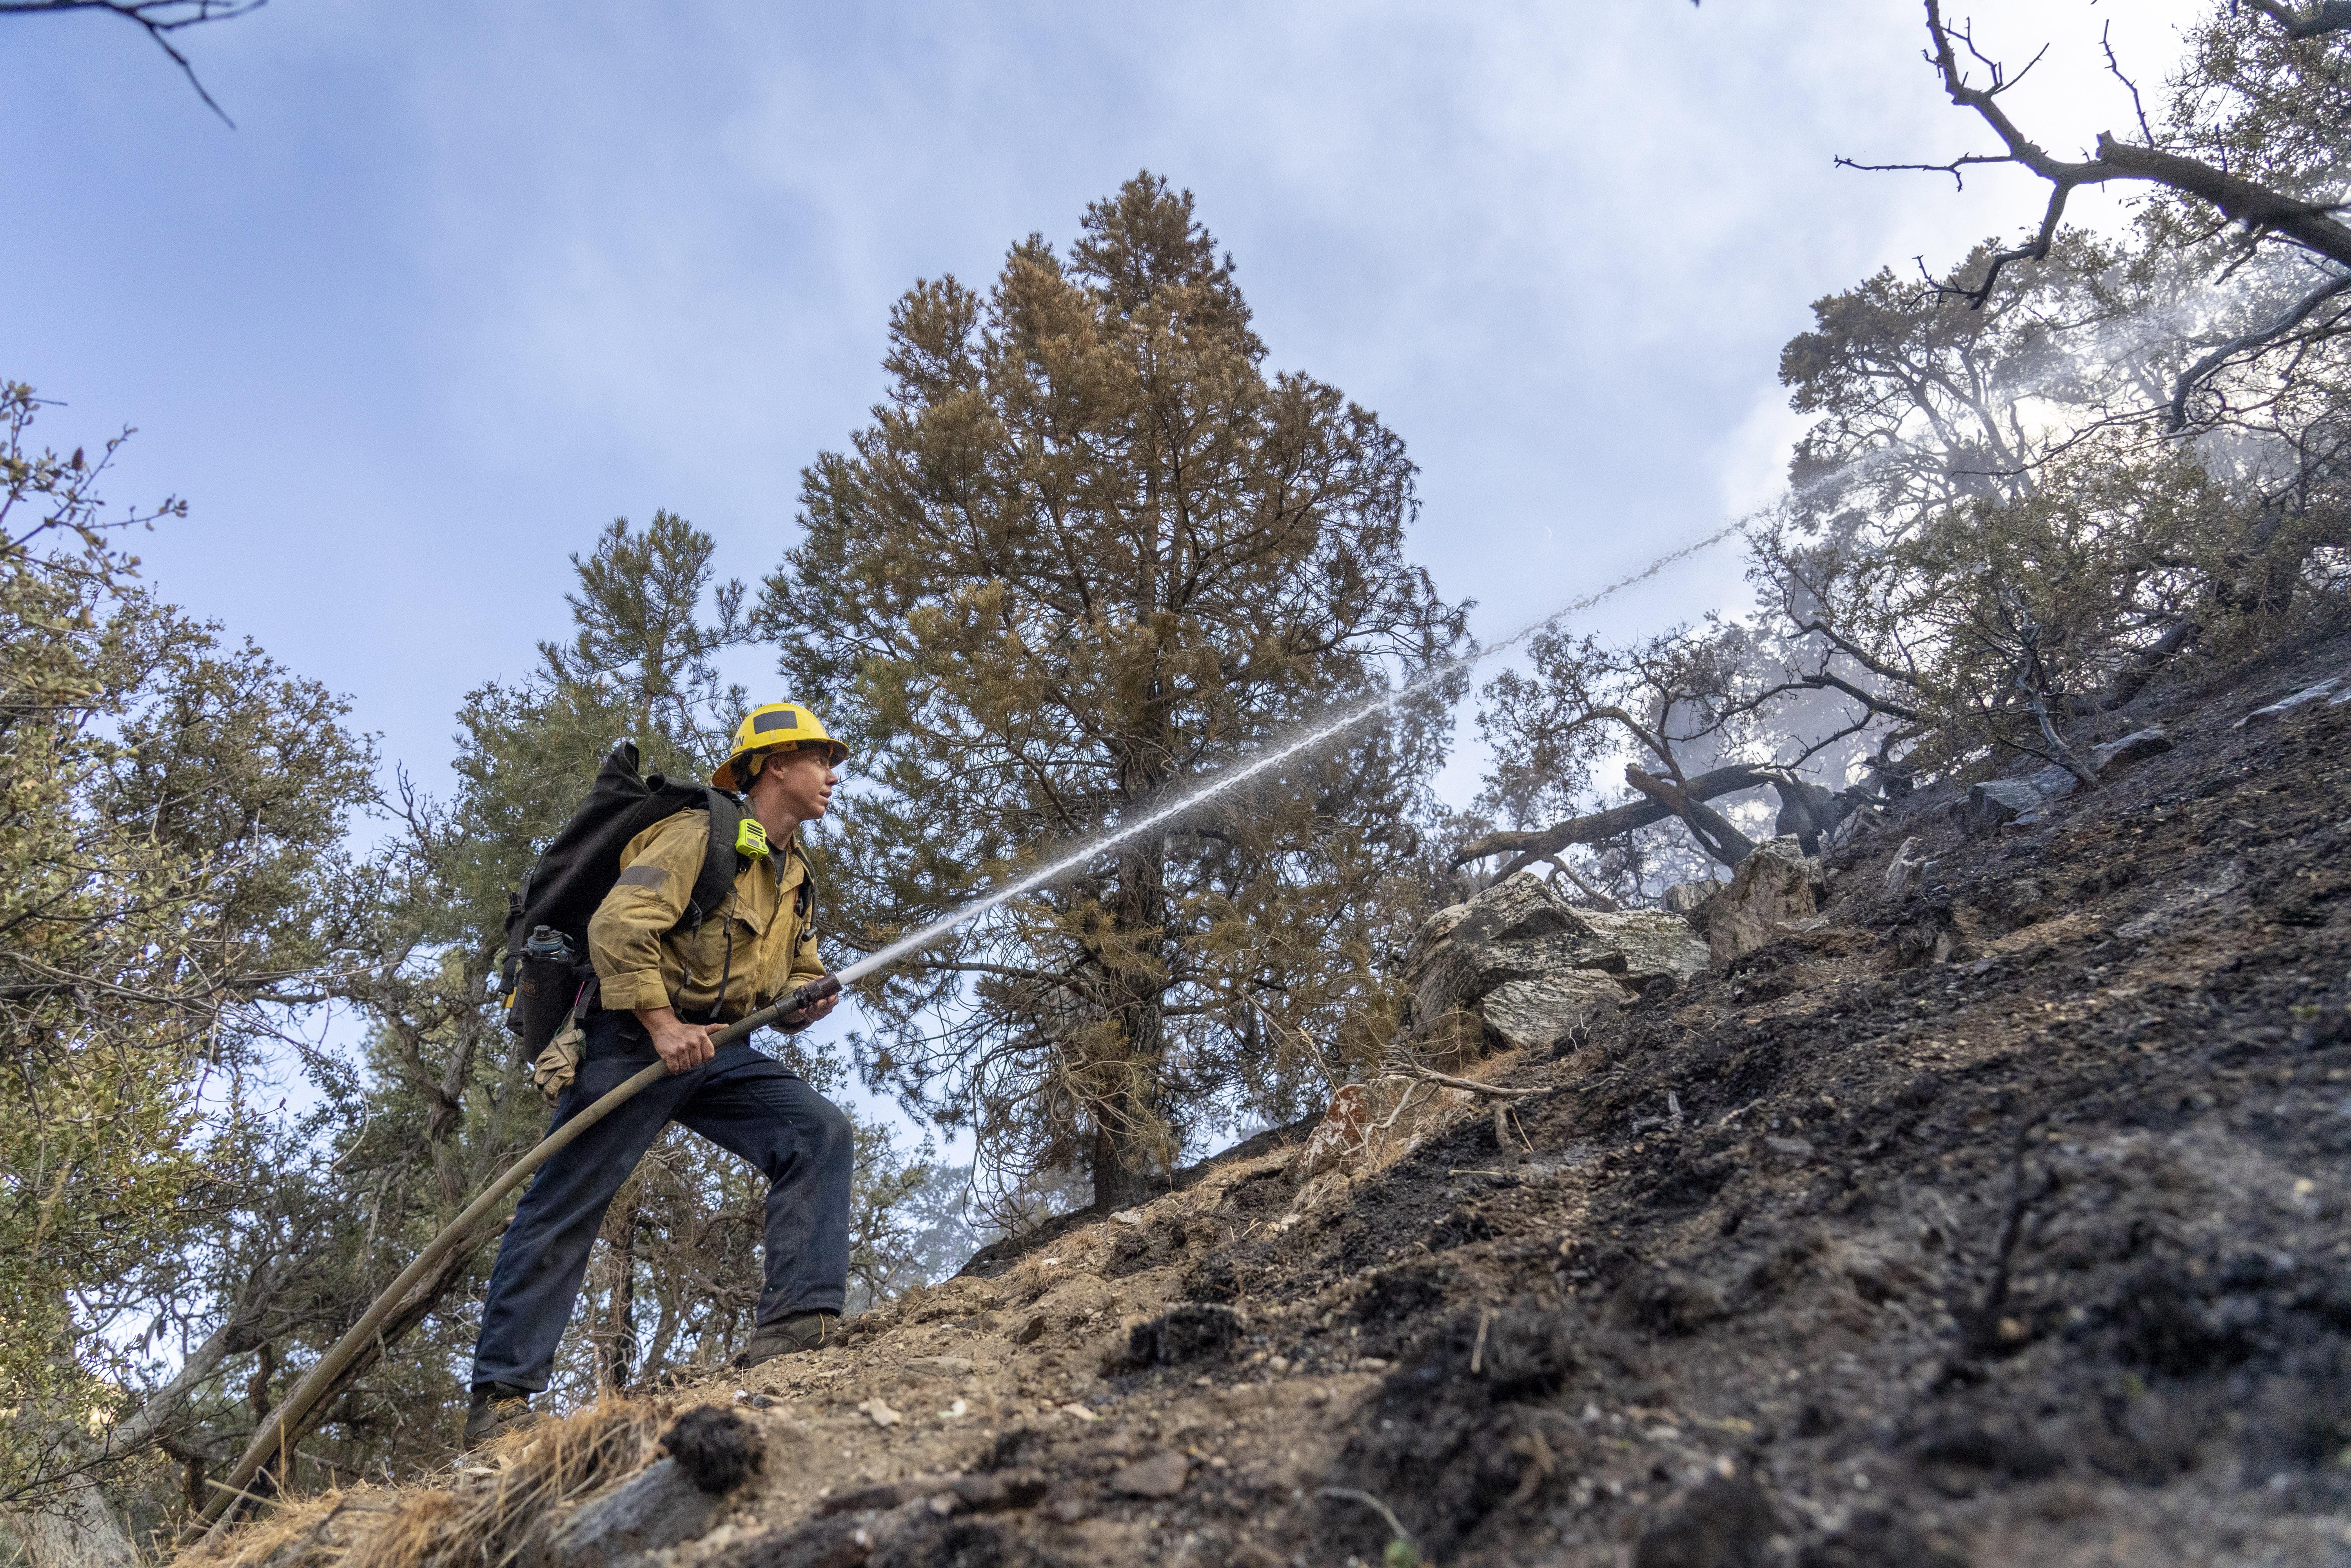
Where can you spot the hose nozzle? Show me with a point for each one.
(794, 1008)
(784, 1013)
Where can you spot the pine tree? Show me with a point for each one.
(171, 885)
(1088, 548)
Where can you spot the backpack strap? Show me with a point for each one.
(804, 900)
(720, 863)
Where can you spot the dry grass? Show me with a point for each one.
(479, 1521)
(1405, 1113)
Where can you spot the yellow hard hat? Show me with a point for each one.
(773, 724)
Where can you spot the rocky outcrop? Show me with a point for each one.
(1997, 802)
(2329, 687)
(1534, 967)
(1907, 872)
(1641, 947)
(1687, 898)
(1537, 1013)
(2136, 746)
(1776, 889)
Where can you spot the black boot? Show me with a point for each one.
(788, 1336)
(497, 1408)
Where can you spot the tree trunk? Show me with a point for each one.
(1529, 847)
(665, 1326)
(616, 1343)
(1130, 1138)
(1712, 830)
(1123, 1175)
(271, 1479)
(449, 1097)
(1807, 811)
(78, 1530)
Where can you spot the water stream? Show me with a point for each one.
(1327, 728)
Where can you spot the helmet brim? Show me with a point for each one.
(723, 777)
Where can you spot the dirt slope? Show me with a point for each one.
(2001, 1222)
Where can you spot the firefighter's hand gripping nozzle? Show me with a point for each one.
(793, 1010)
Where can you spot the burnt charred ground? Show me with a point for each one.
(2033, 1254)
(1998, 1222)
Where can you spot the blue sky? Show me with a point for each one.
(469, 280)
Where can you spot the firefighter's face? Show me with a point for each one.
(799, 782)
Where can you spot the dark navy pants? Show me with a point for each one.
(746, 1104)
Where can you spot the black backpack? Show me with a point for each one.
(547, 918)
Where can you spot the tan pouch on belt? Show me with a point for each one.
(558, 1064)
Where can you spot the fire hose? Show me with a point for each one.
(274, 1434)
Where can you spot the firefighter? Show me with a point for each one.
(662, 987)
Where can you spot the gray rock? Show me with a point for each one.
(1162, 1475)
(1534, 966)
(1457, 974)
(2288, 703)
(1432, 930)
(2000, 801)
(1639, 945)
(1906, 871)
(2053, 783)
(2136, 746)
(659, 1506)
(1776, 885)
(1531, 1014)
(1687, 898)
(1519, 930)
(1515, 907)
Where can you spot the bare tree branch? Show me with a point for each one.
(1414, 1069)
(2302, 311)
(1822, 681)
(159, 19)
(2115, 69)
(2320, 18)
(1600, 900)
(1818, 626)
(2261, 210)
(1534, 844)
(1712, 830)
(238, 1333)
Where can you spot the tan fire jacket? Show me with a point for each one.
(641, 964)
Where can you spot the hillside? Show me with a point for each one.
(1993, 1215)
